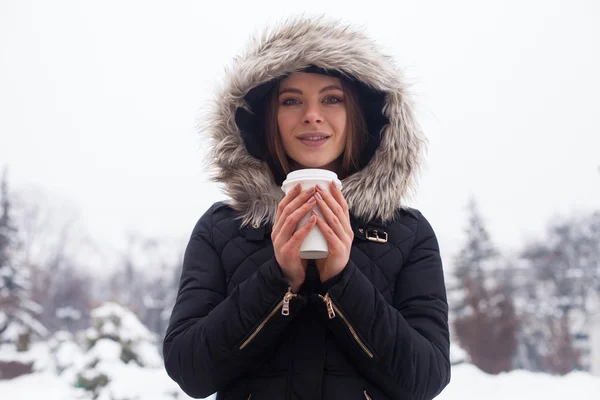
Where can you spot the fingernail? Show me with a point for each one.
(297, 187)
(312, 219)
(314, 213)
(318, 195)
(311, 200)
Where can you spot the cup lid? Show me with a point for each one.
(311, 174)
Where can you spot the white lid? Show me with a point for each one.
(311, 174)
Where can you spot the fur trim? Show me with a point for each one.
(375, 192)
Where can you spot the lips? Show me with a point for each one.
(313, 136)
(314, 139)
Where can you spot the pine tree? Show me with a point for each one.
(18, 314)
(480, 300)
(473, 263)
(564, 282)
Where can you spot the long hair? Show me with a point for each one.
(356, 127)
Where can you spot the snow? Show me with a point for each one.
(148, 355)
(65, 351)
(58, 364)
(66, 355)
(68, 312)
(117, 321)
(129, 381)
(38, 354)
(20, 313)
(106, 350)
(38, 386)
(469, 383)
(11, 332)
(594, 328)
(28, 321)
(117, 335)
(457, 354)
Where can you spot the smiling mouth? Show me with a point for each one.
(314, 140)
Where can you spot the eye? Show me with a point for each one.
(290, 102)
(332, 100)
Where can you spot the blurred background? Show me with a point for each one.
(102, 182)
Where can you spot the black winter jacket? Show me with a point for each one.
(379, 329)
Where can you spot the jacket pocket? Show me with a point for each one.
(284, 305)
(332, 311)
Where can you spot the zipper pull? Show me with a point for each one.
(329, 304)
(285, 309)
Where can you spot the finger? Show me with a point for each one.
(291, 206)
(334, 242)
(292, 201)
(336, 193)
(289, 225)
(330, 218)
(339, 197)
(289, 196)
(301, 234)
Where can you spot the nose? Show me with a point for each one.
(313, 115)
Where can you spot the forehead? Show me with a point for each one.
(298, 79)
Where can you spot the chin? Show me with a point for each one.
(320, 164)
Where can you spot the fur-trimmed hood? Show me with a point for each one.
(388, 176)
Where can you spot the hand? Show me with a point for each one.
(335, 226)
(286, 243)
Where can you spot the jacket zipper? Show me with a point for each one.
(332, 311)
(367, 397)
(284, 304)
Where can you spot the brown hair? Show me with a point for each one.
(356, 126)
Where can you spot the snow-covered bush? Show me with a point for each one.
(118, 344)
(14, 362)
(66, 355)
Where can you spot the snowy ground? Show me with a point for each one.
(58, 363)
(131, 385)
(468, 383)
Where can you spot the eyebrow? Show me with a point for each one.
(326, 88)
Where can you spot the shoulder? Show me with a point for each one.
(220, 216)
(412, 219)
(423, 223)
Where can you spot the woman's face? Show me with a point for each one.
(311, 117)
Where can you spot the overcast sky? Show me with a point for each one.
(99, 104)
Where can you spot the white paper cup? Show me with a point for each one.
(314, 245)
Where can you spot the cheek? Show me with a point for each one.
(285, 122)
(339, 124)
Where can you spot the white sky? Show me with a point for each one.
(99, 104)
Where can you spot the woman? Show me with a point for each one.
(252, 319)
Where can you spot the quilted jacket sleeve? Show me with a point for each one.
(207, 328)
(402, 348)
